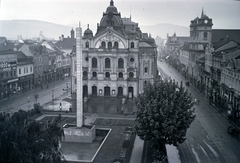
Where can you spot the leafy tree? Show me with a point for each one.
(164, 114)
(25, 140)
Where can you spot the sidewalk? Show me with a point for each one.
(137, 150)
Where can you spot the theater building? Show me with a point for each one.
(119, 59)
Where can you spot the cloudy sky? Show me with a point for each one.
(225, 13)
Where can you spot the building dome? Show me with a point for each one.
(111, 17)
(111, 8)
(88, 33)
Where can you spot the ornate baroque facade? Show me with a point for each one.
(118, 59)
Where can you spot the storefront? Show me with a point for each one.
(25, 83)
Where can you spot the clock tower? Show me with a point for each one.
(201, 35)
(200, 28)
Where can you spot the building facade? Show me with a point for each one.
(200, 32)
(119, 59)
(8, 74)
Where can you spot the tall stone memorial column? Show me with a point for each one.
(79, 132)
(79, 77)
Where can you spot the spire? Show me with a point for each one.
(111, 3)
(202, 13)
(88, 26)
(130, 13)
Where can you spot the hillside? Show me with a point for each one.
(29, 29)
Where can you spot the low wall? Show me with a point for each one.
(81, 135)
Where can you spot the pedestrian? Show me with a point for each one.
(198, 101)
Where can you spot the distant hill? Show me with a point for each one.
(29, 29)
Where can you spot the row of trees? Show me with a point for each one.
(165, 112)
(24, 140)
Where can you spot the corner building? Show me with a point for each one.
(119, 59)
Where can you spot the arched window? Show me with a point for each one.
(131, 75)
(120, 63)
(109, 45)
(94, 74)
(103, 44)
(132, 44)
(205, 35)
(94, 63)
(116, 45)
(120, 75)
(87, 44)
(146, 70)
(107, 75)
(107, 63)
(85, 74)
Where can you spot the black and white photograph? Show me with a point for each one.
(119, 81)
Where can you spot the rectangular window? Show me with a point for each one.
(19, 71)
(146, 70)
(31, 69)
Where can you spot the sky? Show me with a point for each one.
(225, 13)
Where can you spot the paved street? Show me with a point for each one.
(26, 100)
(207, 137)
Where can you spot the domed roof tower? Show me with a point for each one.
(88, 33)
(111, 18)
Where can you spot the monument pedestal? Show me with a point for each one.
(84, 134)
